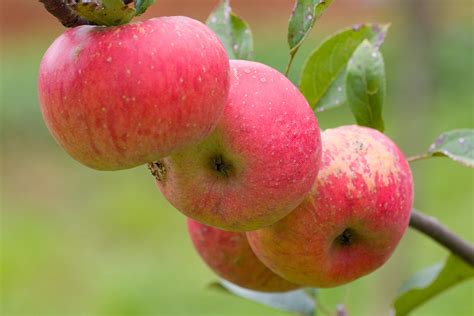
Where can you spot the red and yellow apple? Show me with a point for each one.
(229, 255)
(258, 164)
(353, 219)
(118, 97)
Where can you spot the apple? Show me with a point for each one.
(257, 165)
(352, 220)
(229, 255)
(118, 97)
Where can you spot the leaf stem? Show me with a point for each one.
(290, 60)
(63, 12)
(418, 157)
(431, 227)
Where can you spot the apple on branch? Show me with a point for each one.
(229, 255)
(118, 97)
(258, 164)
(353, 219)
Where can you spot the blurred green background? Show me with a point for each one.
(75, 241)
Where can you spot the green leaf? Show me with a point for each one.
(234, 33)
(105, 12)
(365, 85)
(335, 96)
(323, 75)
(304, 16)
(430, 282)
(142, 5)
(457, 145)
(292, 301)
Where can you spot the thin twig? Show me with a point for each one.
(67, 16)
(419, 157)
(431, 227)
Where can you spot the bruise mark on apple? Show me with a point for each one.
(77, 51)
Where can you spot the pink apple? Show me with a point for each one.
(118, 97)
(258, 164)
(353, 219)
(229, 255)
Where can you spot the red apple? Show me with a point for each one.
(352, 220)
(229, 255)
(118, 97)
(257, 165)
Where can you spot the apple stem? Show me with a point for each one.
(418, 157)
(431, 227)
(63, 12)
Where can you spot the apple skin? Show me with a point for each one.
(257, 165)
(353, 219)
(229, 255)
(118, 97)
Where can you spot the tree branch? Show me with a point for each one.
(67, 16)
(431, 227)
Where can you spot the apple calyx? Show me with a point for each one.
(346, 238)
(158, 170)
(221, 165)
